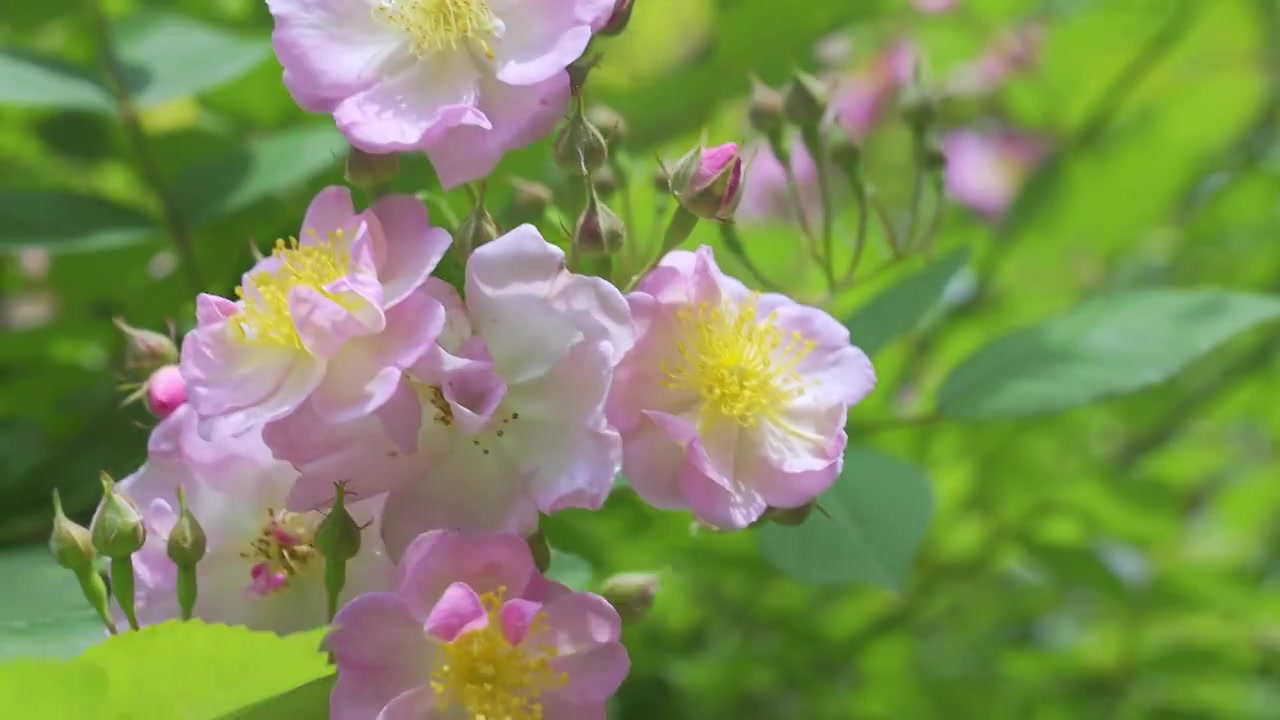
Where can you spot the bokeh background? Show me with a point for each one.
(1115, 561)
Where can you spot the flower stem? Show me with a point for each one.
(813, 143)
(729, 235)
(95, 591)
(122, 587)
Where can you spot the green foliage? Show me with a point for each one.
(898, 309)
(867, 528)
(63, 220)
(1111, 345)
(30, 80)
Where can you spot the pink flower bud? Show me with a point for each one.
(166, 391)
(708, 181)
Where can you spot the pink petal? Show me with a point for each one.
(330, 210)
(457, 611)
(323, 325)
(594, 675)
(517, 617)
(211, 308)
(437, 559)
(416, 704)
(554, 707)
(380, 651)
(720, 501)
(541, 41)
(585, 631)
(401, 417)
(652, 463)
(412, 248)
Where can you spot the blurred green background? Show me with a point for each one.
(1116, 561)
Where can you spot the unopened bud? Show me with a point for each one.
(765, 109)
(662, 180)
(599, 230)
(146, 349)
(69, 542)
(476, 229)
(338, 540)
(708, 181)
(790, 516)
(631, 594)
(540, 550)
(845, 153)
(117, 529)
(611, 125)
(918, 107)
(166, 391)
(187, 541)
(531, 198)
(604, 181)
(579, 147)
(369, 170)
(805, 100)
(618, 19)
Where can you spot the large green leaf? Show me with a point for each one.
(301, 703)
(167, 56)
(1112, 345)
(64, 220)
(29, 80)
(899, 309)
(265, 166)
(867, 528)
(47, 616)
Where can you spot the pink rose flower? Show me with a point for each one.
(503, 419)
(764, 186)
(463, 80)
(860, 100)
(985, 170)
(166, 391)
(261, 568)
(731, 402)
(474, 631)
(333, 317)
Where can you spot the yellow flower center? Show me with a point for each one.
(283, 549)
(741, 365)
(489, 678)
(440, 24)
(265, 318)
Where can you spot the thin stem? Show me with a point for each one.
(882, 213)
(860, 241)
(813, 143)
(917, 189)
(729, 235)
(141, 144)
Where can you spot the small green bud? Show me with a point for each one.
(117, 528)
(708, 181)
(662, 180)
(531, 198)
(599, 230)
(579, 147)
(369, 170)
(145, 349)
(805, 100)
(338, 540)
(611, 124)
(476, 229)
(604, 181)
(70, 542)
(631, 594)
(845, 153)
(541, 550)
(187, 542)
(765, 109)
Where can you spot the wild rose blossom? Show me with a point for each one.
(261, 568)
(860, 100)
(731, 402)
(474, 631)
(463, 80)
(985, 170)
(502, 419)
(333, 317)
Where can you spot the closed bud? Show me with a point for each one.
(631, 594)
(708, 181)
(765, 109)
(845, 153)
(611, 125)
(531, 198)
(338, 535)
(790, 516)
(166, 391)
(146, 349)
(662, 180)
(618, 19)
(604, 181)
(69, 542)
(599, 230)
(476, 229)
(805, 100)
(369, 170)
(187, 541)
(117, 529)
(540, 549)
(579, 147)
(918, 107)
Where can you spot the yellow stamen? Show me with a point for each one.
(489, 678)
(741, 365)
(266, 318)
(439, 24)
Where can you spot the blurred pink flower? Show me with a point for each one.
(860, 100)
(764, 185)
(166, 391)
(261, 568)
(985, 170)
(475, 631)
(731, 402)
(502, 419)
(462, 80)
(333, 317)
(1014, 50)
(934, 7)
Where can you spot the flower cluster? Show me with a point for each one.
(352, 437)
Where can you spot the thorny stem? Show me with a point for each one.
(140, 142)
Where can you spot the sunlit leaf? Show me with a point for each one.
(303, 702)
(899, 309)
(1112, 345)
(867, 529)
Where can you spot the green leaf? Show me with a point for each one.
(303, 702)
(48, 616)
(1112, 345)
(53, 689)
(30, 80)
(263, 167)
(571, 570)
(899, 309)
(64, 221)
(167, 56)
(866, 528)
